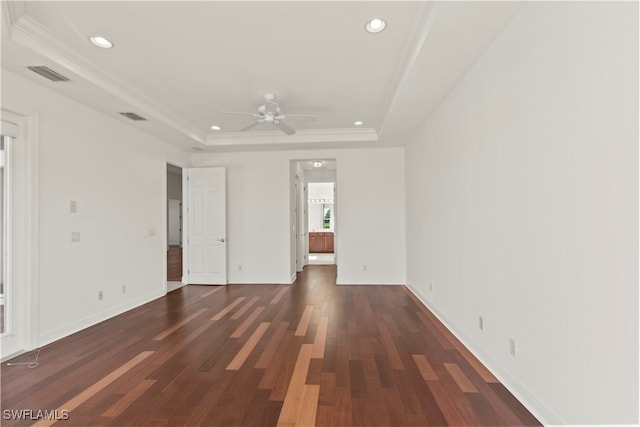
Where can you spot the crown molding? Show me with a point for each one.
(11, 12)
(404, 69)
(32, 35)
(301, 136)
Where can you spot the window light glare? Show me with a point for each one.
(215, 127)
(101, 42)
(375, 25)
(358, 123)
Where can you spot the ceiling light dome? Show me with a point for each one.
(376, 25)
(215, 127)
(358, 123)
(101, 42)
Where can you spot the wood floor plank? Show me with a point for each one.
(272, 347)
(293, 400)
(321, 338)
(309, 409)
(279, 295)
(425, 368)
(247, 348)
(228, 308)
(211, 292)
(128, 398)
(178, 325)
(301, 330)
(83, 396)
(244, 308)
(392, 351)
(445, 405)
(460, 378)
(240, 330)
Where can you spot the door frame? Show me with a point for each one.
(25, 229)
(165, 221)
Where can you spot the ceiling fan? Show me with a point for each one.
(269, 112)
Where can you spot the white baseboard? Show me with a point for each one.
(374, 281)
(72, 328)
(259, 283)
(12, 355)
(532, 403)
(294, 276)
(172, 286)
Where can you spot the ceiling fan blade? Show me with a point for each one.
(284, 128)
(249, 127)
(241, 113)
(300, 116)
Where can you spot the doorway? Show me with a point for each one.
(174, 227)
(321, 222)
(314, 215)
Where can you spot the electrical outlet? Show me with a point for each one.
(75, 236)
(124, 289)
(364, 267)
(73, 206)
(481, 323)
(152, 232)
(100, 295)
(512, 347)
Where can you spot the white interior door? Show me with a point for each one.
(206, 226)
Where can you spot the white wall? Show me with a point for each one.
(117, 176)
(174, 186)
(522, 207)
(258, 215)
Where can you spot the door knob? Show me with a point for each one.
(221, 240)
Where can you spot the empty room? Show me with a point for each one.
(310, 213)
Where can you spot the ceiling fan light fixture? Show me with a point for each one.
(376, 25)
(215, 127)
(358, 123)
(101, 42)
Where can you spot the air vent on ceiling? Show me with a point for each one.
(133, 116)
(48, 73)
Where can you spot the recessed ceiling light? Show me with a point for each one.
(375, 25)
(214, 127)
(101, 42)
(358, 123)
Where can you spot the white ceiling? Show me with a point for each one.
(179, 64)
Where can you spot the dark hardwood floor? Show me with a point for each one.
(312, 353)
(174, 263)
